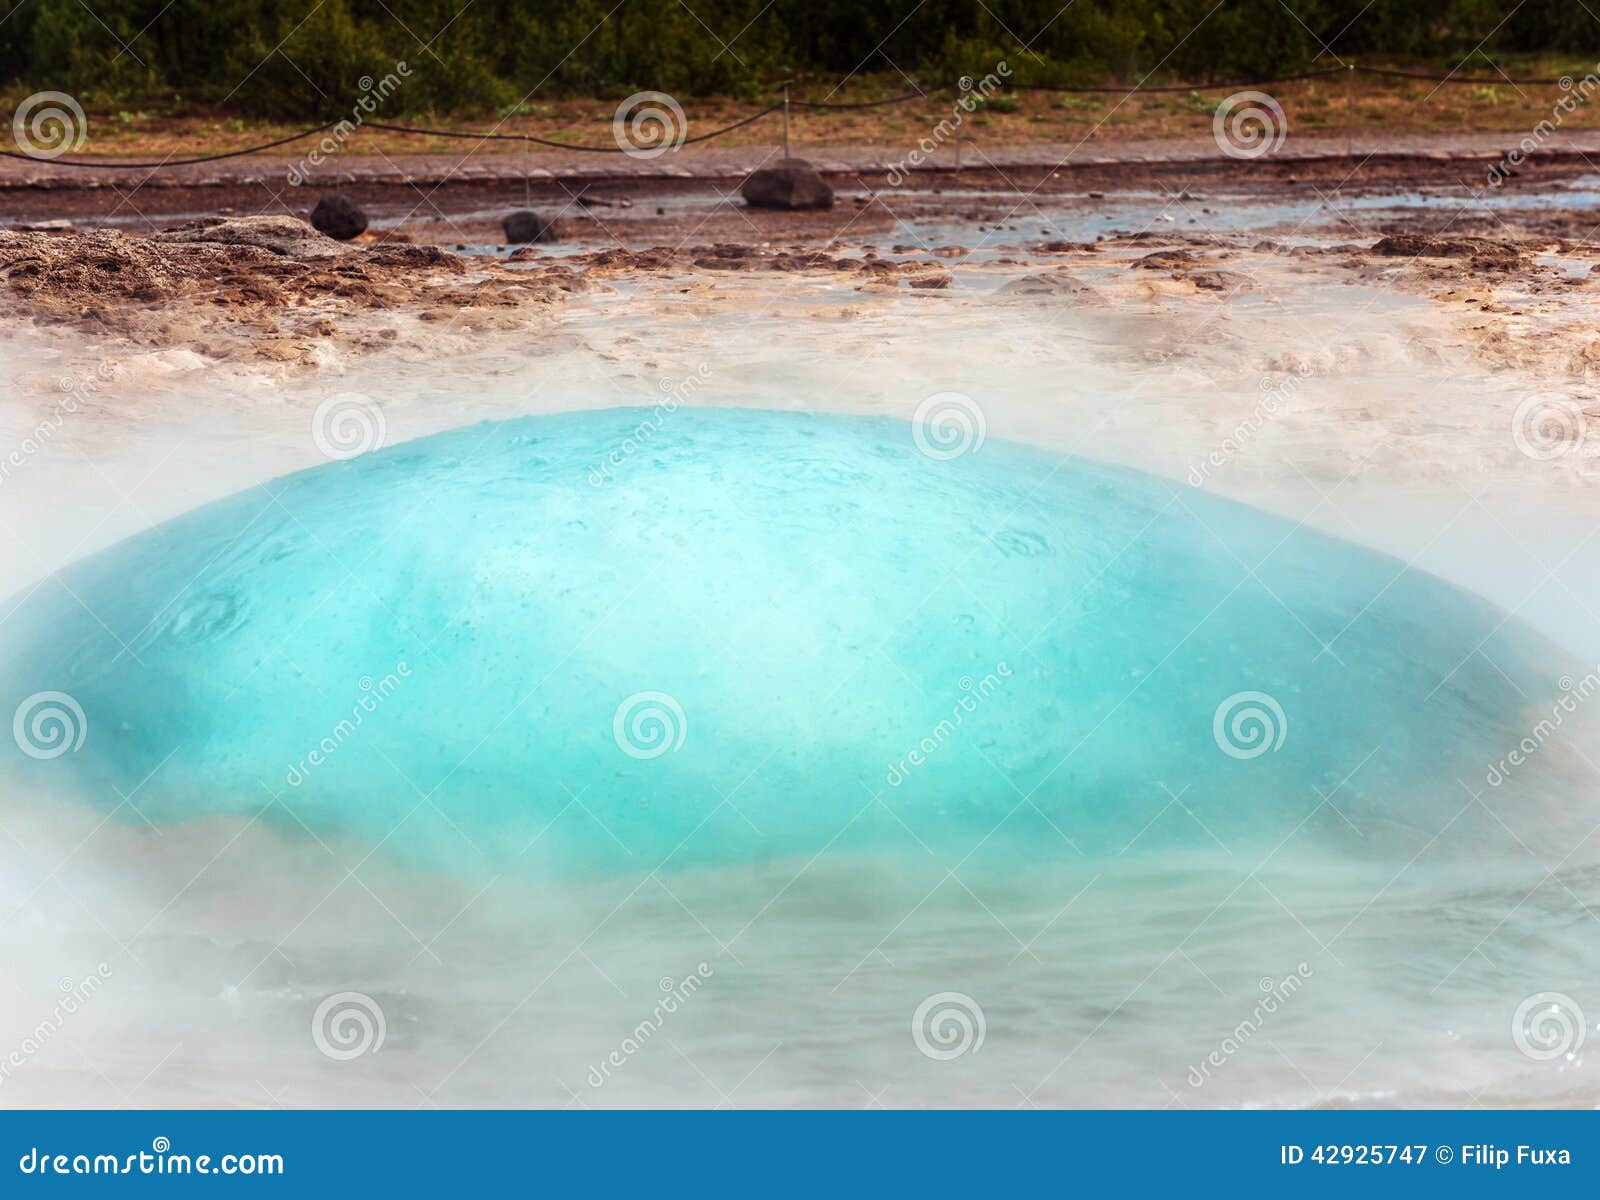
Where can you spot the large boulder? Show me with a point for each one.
(524, 226)
(337, 216)
(789, 183)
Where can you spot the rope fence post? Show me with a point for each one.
(786, 118)
(1349, 112)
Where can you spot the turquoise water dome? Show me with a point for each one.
(604, 641)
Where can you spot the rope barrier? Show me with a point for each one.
(1179, 87)
(818, 105)
(118, 165)
(539, 141)
(1393, 73)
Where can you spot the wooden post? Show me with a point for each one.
(786, 118)
(1349, 112)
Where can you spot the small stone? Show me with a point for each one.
(790, 183)
(523, 226)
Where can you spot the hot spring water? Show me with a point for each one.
(559, 696)
(724, 644)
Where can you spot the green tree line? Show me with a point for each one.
(308, 57)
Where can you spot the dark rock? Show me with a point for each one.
(790, 183)
(1165, 258)
(1426, 246)
(337, 216)
(523, 226)
(285, 235)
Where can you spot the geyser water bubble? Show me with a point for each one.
(761, 634)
